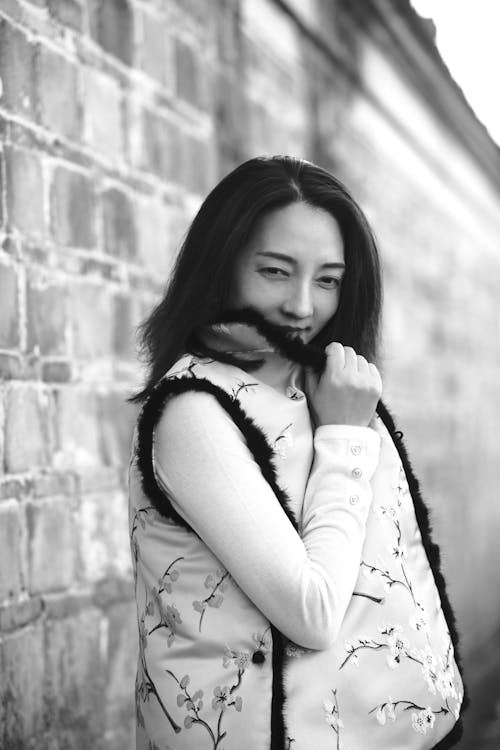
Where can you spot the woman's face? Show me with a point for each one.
(292, 268)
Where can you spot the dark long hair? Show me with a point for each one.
(200, 283)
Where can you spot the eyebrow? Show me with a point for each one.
(289, 259)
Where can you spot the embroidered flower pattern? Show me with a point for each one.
(218, 584)
(283, 441)
(223, 698)
(437, 671)
(332, 716)
(242, 386)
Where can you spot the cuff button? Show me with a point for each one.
(357, 473)
(354, 499)
(356, 449)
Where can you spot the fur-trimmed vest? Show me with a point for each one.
(214, 673)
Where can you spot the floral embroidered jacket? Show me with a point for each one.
(213, 672)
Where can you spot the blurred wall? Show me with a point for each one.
(116, 119)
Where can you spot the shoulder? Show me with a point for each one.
(192, 414)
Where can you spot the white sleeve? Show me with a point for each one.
(302, 584)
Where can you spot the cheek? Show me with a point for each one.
(328, 306)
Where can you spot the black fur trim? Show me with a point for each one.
(434, 558)
(149, 417)
(285, 343)
(262, 452)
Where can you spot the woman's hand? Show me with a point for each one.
(347, 391)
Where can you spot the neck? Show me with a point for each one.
(277, 371)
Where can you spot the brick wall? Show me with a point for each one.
(116, 118)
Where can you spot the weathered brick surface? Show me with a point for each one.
(59, 107)
(112, 26)
(77, 428)
(73, 208)
(9, 308)
(103, 128)
(104, 548)
(28, 439)
(24, 178)
(160, 227)
(121, 630)
(160, 143)
(52, 545)
(157, 50)
(47, 312)
(74, 675)
(16, 70)
(119, 224)
(69, 13)
(12, 550)
(190, 77)
(91, 320)
(22, 686)
(123, 342)
(116, 422)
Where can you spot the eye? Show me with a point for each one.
(273, 271)
(331, 282)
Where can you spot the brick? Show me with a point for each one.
(17, 615)
(2, 437)
(77, 429)
(122, 632)
(12, 542)
(154, 223)
(24, 177)
(103, 116)
(9, 308)
(91, 321)
(73, 208)
(116, 422)
(160, 143)
(230, 109)
(47, 304)
(27, 433)
(200, 11)
(189, 75)
(119, 224)
(2, 174)
(22, 685)
(157, 52)
(74, 674)
(123, 340)
(16, 70)
(65, 604)
(111, 591)
(67, 12)
(51, 544)
(104, 537)
(56, 372)
(111, 25)
(197, 165)
(57, 92)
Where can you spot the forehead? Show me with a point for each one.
(301, 231)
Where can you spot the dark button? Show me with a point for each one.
(258, 657)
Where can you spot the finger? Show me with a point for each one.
(376, 375)
(335, 354)
(362, 364)
(351, 358)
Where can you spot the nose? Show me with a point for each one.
(299, 302)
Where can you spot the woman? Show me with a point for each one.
(288, 592)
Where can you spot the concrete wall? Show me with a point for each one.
(116, 119)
